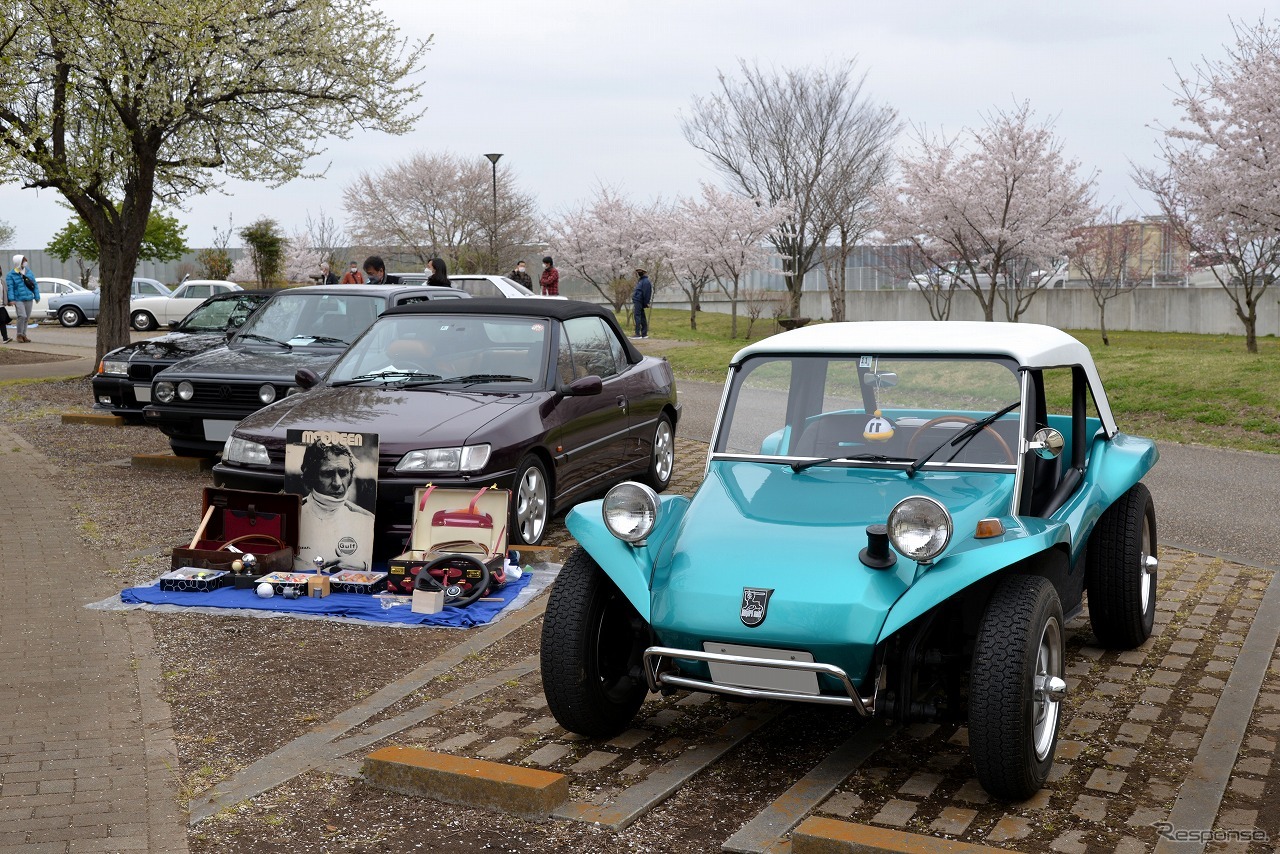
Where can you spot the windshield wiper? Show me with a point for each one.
(326, 339)
(962, 438)
(388, 376)
(492, 378)
(256, 337)
(875, 458)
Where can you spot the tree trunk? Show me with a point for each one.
(733, 311)
(1102, 321)
(795, 285)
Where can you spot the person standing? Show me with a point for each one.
(22, 290)
(353, 275)
(519, 275)
(327, 276)
(550, 279)
(375, 272)
(438, 273)
(641, 299)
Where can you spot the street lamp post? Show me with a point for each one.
(493, 233)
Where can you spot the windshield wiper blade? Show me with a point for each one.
(875, 458)
(256, 337)
(327, 339)
(964, 435)
(492, 378)
(388, 376)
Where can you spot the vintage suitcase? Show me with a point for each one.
(236, 522)
(453, 521)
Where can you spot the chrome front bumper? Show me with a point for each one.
(657, 679)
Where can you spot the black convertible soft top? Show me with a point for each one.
(556, 309)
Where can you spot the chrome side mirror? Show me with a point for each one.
(1046, 443)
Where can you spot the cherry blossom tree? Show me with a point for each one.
(1220, 182)
(603, 240)
(440, 204)
(302, 259)
(809, 137)
(689, 257)
(1104, 255)
(1002, 199)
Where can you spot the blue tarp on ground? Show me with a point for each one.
(354, 605)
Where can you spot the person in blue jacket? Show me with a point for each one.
(641, 299)
(22, 291)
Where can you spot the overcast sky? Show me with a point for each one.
(578, 92)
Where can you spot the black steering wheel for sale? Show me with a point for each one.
(463, 578)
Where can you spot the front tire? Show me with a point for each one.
(1121, 571)
(142, 321)
(662, 457)
(70, 317)
(531, 503)
(593, 644)
(1016, 687)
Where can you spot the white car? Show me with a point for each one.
(478, 285)
(153, 312)
(51, 286)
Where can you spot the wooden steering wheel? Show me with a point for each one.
(951, 419)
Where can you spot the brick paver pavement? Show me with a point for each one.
(87, 758)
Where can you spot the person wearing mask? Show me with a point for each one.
(327, 276)
(375, 272)
(519, 275)
(550, 279)
(641, 299)
(22, 291)
(353, 275)
(438, 273)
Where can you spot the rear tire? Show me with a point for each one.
(593, 644)
(1119, 577)
(1014, 710)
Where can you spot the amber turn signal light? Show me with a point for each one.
(989, 528)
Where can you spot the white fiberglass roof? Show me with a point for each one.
(1029, 344)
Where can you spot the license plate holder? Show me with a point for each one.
(218, 431)
(766, 678)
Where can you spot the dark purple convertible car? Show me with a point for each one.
(546, 398)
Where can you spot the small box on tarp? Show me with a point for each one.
(453, 521)
(192, 580)
(236, 522)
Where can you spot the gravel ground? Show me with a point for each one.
(242, 687)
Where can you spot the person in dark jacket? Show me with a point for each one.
(550, 280)
(641, 299)
(519, 275)
(439, 273)
(327, 276)
(375, 272)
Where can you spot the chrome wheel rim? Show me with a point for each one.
(664, 452)
(70, 317)
(1147, 569)
(531, 504)
(1048, 689)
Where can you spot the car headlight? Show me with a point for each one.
(919, 528)
(238, 450)
(164, 392)
(630, 511)
(114, 366)
(466, 458)
(186, 390)
(267, 393)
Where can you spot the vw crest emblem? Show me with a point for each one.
(755, 605)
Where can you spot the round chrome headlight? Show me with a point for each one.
(919, 528)
(630, 511)
(164, 392)
(267, 393)
(186, 390)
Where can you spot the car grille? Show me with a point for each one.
(144, 372)
(227, 394)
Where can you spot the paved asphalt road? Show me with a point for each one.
(1211, 500)
(1208, 499)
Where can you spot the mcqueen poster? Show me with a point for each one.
(337, 476)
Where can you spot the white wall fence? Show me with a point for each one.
(1198, 310)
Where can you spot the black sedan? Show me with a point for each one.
(546, 398)
(197, 401)
(122, 384)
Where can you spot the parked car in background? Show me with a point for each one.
(198, 400)
(147, 313)
(546, 398)
(122, 384)
(896, 518)
(480, 285)
(50, 287)
(81, 307)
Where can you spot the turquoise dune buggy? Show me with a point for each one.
(896, 518)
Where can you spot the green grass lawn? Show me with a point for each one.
(1185, 388)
